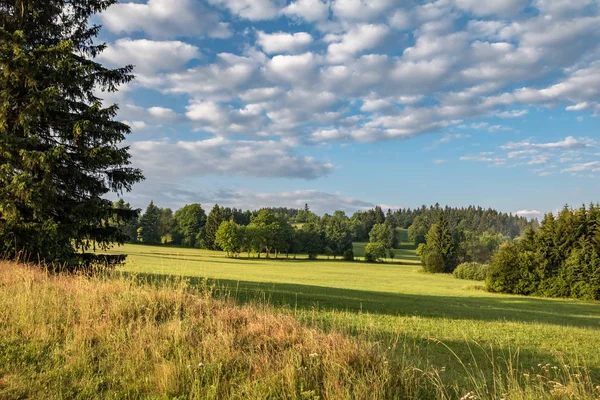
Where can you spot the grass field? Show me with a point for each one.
(396, 303)
(443, 337)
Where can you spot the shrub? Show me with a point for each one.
(471, 270)
(374, 252)
(349, 255)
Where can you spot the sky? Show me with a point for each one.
(348, 104)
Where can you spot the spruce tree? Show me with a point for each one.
(60, 149)
(213, 221)
(150, 224)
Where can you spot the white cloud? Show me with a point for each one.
(578, 106)
(221, 156)
(567, 143)
(163, 114)
(529, 213)
(485, 158)
(136, 125)
(292, 67)
(356, 40)
(253, 10)
(175, 195)
(592, 166)
(165, 19)
(512, 114)
(539, 160)
(150, 56)
(327, 135)
(495, 7)
(309, 10)
(359, 10)
(281, 42)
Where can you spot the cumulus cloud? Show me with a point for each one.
(359, 75)
(281, 42)
(218, 156)
(254, 10)
(165, 19)
(356, 40)
(150, 56)
(309, 10)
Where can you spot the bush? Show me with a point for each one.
(349, 255)
(374, 252)
(471, 270)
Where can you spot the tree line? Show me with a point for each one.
(447, 245)
(560, 259)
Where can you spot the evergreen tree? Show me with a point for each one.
(439, 250)
(213, 221)
(150, 225)
(60, 147)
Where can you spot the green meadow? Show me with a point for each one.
(435, 321)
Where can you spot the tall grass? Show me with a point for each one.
(66, 336)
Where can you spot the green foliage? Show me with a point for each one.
(229, 237)
(60, 148)
(471, 219)
(150, 225)
(338, 232)
(310, 240)
(417, 232)
(561, 259)
(213, 221)
(471, 270)
(189, 222)
(349, 255)
(384, 233)
(375, 252)
(472, 246)
(392, 253)
(439, 252)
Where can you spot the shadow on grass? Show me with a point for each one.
(488, 308)
(422, 351)
(232, 260)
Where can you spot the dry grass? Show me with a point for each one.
(79, 337)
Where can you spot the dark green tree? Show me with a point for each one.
(438, 253)
(213, 221)
(150, 225)
(60, 148)
(189, 222)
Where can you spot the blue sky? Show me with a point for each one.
(347, 104)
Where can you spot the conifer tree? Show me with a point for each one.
(150, 224)
(439, 250)
(60, 148)
(213, 221)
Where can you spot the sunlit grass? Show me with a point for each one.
(118, 337)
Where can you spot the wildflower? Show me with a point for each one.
(313, 355)
(469, 396)
(200, 365)
(526, 375)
